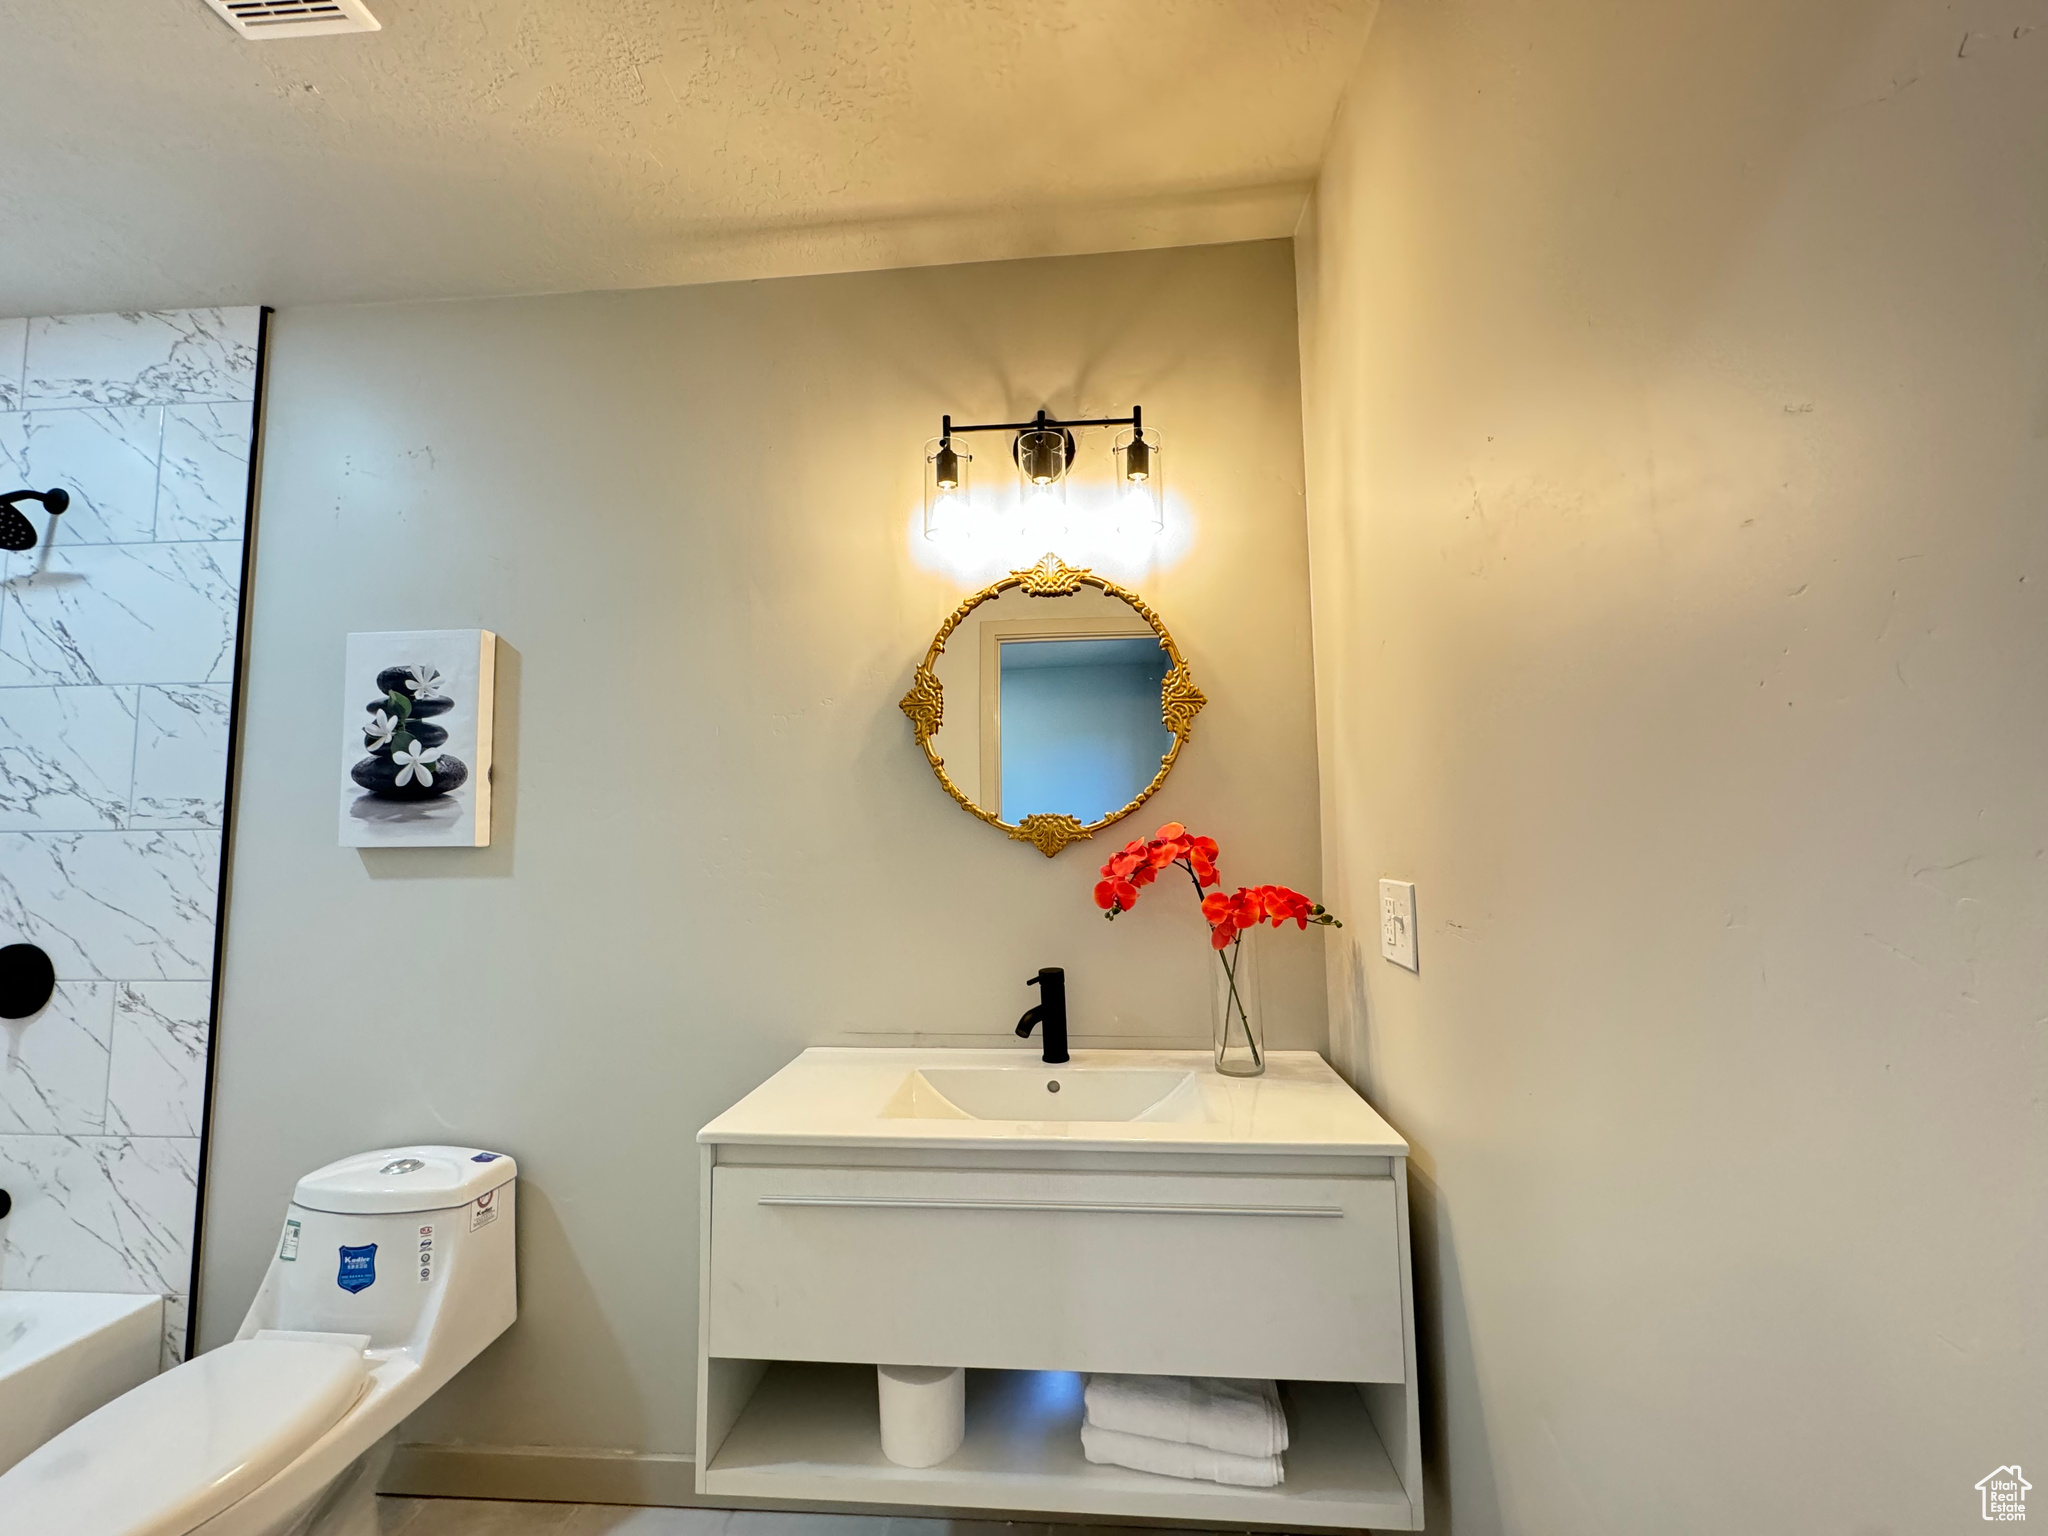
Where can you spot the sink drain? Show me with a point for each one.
(1053, 1086)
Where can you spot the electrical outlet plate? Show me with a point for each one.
(1397, 922)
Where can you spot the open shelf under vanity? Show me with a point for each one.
(810, 1432)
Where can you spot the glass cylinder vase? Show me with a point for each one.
(1235, 1015)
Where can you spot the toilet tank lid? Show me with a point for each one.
(404, 1179)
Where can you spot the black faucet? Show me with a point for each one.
(1051, 1011)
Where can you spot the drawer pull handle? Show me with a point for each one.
(1101, 1207)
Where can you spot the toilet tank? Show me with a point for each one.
(411, 1246)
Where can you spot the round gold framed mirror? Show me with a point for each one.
(1063, 712)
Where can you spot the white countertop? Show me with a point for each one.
(835, 1096)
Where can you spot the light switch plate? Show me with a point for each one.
(1397, 922)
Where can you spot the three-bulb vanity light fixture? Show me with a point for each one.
(1043, 449)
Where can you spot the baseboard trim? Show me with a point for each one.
(550, 1474)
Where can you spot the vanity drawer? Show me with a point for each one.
(1186, 1274)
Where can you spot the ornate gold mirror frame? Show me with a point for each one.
(1179, 701)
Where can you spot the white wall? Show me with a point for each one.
(687, 512)
(1678, 440)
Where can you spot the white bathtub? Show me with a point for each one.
(65, 1353)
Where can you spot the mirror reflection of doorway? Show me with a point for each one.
(1079, 723)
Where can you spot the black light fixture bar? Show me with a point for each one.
(1043, 422)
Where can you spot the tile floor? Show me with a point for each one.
(487, 1517)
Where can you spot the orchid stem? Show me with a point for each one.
(1230, 972)
(1237, 1000)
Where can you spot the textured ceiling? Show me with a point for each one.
(149, 156)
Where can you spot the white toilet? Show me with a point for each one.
(393, 1271)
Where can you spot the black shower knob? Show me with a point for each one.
(26, 980)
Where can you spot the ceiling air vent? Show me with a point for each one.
(262, 20)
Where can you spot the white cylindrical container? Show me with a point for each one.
(924, 1412)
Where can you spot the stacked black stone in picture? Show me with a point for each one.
(407, 760)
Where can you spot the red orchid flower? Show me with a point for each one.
(1255, 904)
(1221, 911)
(1137, 864)
(1115, 896)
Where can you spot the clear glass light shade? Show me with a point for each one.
(1042, 457)
(946, 466)
(1140, 482)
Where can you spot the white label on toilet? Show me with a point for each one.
(485, 1211)
(426, 1254)
(288, 1250)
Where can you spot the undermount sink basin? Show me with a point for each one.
(1045, 1093)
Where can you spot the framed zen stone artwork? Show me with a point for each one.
(416, 739)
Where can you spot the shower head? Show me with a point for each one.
(17, 532)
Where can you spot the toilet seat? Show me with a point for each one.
(181, 1448)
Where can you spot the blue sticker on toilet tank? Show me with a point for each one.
(358, 1268)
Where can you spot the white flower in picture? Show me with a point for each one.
(380, 729)
(423, 680)
(415, 763)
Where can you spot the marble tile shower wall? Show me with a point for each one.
(117, 649)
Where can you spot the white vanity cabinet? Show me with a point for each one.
(1262, 1231)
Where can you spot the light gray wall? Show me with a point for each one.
(688, 514)
(1676, 424)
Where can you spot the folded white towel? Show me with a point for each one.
(1142, 1453)
(1241, 1417)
